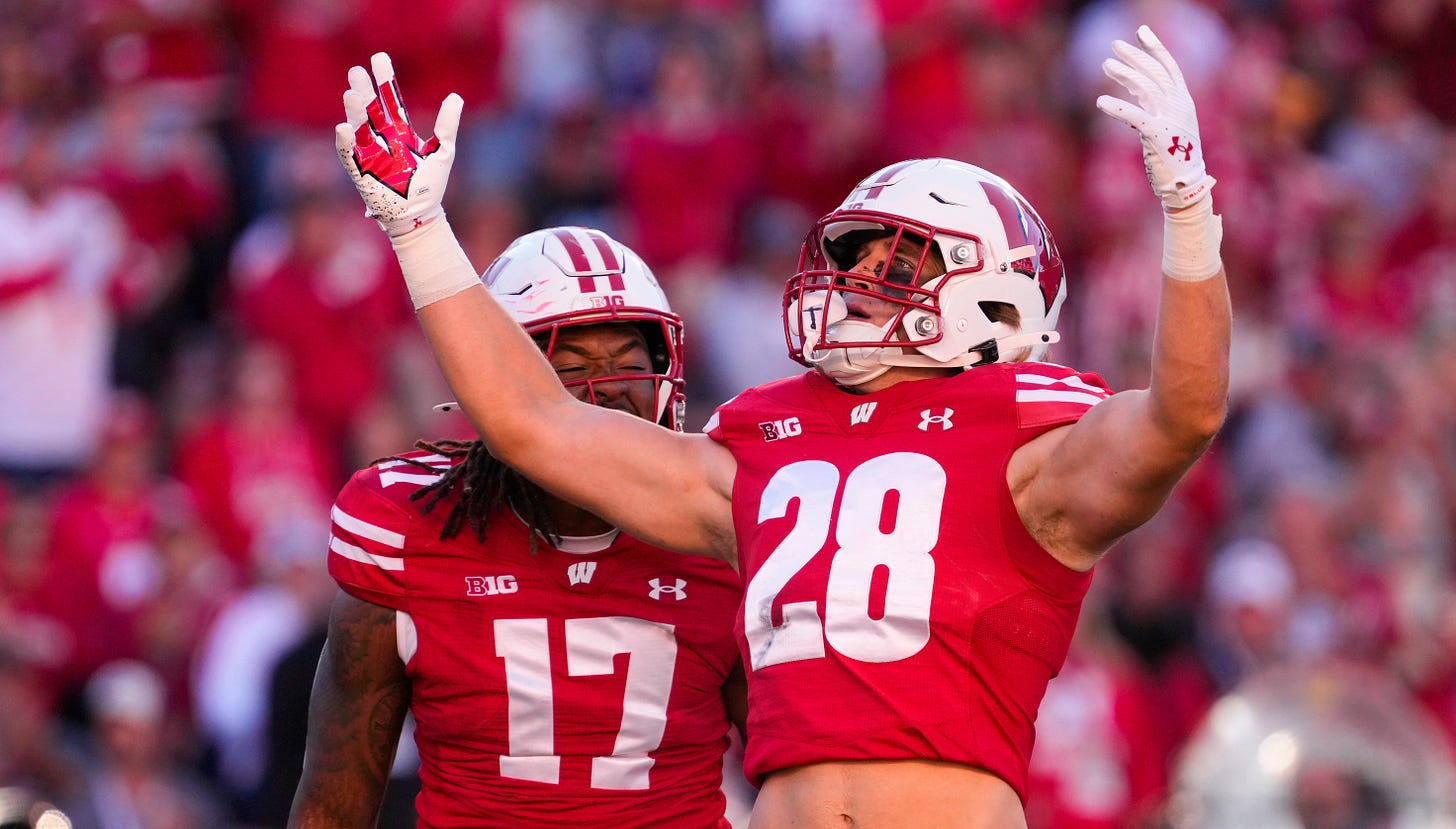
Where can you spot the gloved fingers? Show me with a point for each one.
(392, 103)
(1127, 113)
(344, 138)
(383, 68)
(1144, 64)
(360, 82)
(1132, 80)
(344, 142)
(1155, 48)
(355, 104)
(447, 122)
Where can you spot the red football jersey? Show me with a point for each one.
(894, 605)
(552, 689)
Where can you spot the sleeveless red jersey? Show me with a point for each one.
(894, 606)
(549, 689)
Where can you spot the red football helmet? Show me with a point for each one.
(995, 249)
(563, 276)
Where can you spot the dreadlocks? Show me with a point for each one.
(485, 485)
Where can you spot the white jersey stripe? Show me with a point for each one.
(364, 529)
(1074, 382)
(1054, 396)
(434, 460)
(421, 478)
(363, 556)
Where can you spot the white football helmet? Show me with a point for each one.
(995, 249)
(563, 276)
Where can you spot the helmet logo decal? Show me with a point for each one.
(1014, 218)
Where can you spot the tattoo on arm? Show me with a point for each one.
(360, 698)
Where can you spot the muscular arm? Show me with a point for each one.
(664, 487)
(668, 488)
(1081, 487)
(360, 697)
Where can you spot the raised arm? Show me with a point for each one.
(1082, 487)
(360, 697)
(665, 487)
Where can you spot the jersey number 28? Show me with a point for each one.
(885, 525)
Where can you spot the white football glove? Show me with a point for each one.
(1164, 117)
(401, 177)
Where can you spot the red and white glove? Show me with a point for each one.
(1164, 117)
(401, 177)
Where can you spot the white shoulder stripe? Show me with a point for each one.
(364, 529)
(1074, 382)
(1054, 396)
(421, 478)
(434, 460)
(363, 556)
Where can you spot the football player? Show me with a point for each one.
(560, 672)
(916, 520)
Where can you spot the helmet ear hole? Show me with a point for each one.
(1001, 312)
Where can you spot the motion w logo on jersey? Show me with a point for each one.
(581, 572)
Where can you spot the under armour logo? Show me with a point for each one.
(676, 589)
(861, 413)
(1187, 149)
(581, 572)
(942, 419)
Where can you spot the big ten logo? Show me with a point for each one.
(490, 585)
(778, 429)
(608, 301)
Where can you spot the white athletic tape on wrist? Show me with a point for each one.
(1191, 239)
(435, 266)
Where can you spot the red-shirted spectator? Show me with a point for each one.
(254, 460)
(103, 565)
(686, 165)
(321, 285)
(924, 82)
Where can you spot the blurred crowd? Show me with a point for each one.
(201, 337)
